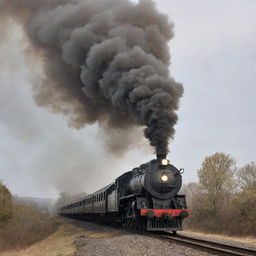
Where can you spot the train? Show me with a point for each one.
(144, 198)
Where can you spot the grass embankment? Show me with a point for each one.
(27, 229)
(59, 243)
(27, 225)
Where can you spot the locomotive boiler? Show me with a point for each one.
(144, 198)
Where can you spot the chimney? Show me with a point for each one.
(160, 157)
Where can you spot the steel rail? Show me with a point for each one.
(205, 245)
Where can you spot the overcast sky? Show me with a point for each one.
(213, 55)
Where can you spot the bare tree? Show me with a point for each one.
(216, 177)
(247, 175)
(216, 203)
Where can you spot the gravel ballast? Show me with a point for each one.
(98, 240)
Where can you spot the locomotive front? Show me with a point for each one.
(155, 186)
(158, 177)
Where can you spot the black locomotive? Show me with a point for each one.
(145, 198)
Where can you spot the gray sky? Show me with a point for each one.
(213, 55)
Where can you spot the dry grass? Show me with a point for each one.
(27, 226)
(248, 240)
(59, 243)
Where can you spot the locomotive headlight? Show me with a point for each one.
(165, 162)
(164, 178)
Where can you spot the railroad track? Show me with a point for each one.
(196, 243)
(204, 245)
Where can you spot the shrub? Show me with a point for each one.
(6, 207)
(27, 226)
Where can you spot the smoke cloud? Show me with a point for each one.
(104, 61)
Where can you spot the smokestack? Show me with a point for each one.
(160, 157)
(105, 61)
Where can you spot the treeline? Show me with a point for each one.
(224, 199)
(22, 224)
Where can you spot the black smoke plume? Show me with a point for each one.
(105, 61)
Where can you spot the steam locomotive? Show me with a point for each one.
(144, 198)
